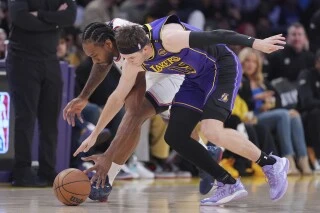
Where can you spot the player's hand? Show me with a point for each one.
(73, 109)
(86, 144)
(102, 164)
(270, 44)
(63, 7)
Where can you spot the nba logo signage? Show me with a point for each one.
(4, 122)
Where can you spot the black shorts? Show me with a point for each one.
(220, 103)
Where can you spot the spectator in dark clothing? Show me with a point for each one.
(309, 106)
(314, 32)
(3, 46)
(35, 83)
(284, 14)
(289, 62)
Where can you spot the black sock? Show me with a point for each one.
(265, 159)
(226, 179)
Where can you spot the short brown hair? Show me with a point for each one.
(296, 25)
(128, 37)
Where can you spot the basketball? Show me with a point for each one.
(71, 187)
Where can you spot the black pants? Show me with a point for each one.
(36, 91)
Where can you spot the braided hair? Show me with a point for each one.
(98, 33)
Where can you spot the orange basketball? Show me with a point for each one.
(71, 187)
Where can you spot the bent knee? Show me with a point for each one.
(212, 132)
(282, 113)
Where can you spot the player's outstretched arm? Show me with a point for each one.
(174, 39)
(75, 106)
(114, 103)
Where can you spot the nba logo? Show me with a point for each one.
(4, 122)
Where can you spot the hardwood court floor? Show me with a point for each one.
(164, 196)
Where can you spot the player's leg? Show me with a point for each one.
(230, 139)
(185, 114)
(178, 137)
(216, 111)
(161, 89)
(139, 107)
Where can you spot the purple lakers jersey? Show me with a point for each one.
(190, 62)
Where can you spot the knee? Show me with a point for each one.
(296, 120)
(212, 132)
(282, 114)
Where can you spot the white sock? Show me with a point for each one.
(202, 143)
(113, 172)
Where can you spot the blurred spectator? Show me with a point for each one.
(220, 15)
(62, 47)
(4, 22)
(289, 62)
(263, 27)
(35, 83)
(187, 10)
(3, 46)
(309, 106)
(214, 11)
(314, 33)
(247, 8)
(283, 67)
(286, 123)
(247, 29)
(99, 11)
(284, 14)
(67, 49)
(134, 10)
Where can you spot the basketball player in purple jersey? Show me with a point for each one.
(197, 94)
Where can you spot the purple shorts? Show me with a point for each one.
(214, 92)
